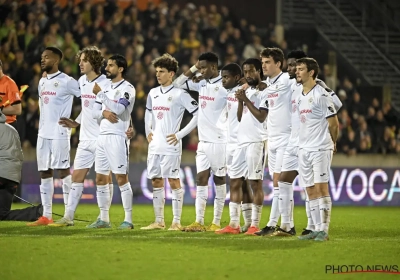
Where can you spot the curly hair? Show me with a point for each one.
(94, 56)
(166, 61)
(209, 57)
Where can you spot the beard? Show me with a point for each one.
(47, 68)
(110, 75)
(253, 82)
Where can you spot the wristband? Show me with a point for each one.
(193, 69)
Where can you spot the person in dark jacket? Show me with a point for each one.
(11, 158)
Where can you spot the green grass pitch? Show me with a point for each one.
(359, 236)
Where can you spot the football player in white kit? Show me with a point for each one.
(230, 73)
(111, 149)
(165, 107)
(90, 62)
(211, 149)
(279, 126)
(248, 157)
(290, 164)
(319, 129)
(56, 93)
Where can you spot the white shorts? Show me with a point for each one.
(211, 155)
(314, 166)
(111, 155)
(275, 159)
(230, 150)
(248, 162)
(290, 160)
(163, 166)
(52, 153)
(85, 154)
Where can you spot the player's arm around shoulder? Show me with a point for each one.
(327, 106)
(73, 87)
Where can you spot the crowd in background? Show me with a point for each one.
(141, 36)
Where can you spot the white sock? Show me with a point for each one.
(158, 204)
(325, 208)
(201, 203)
(177, 202)
(274, 215)
(310, 222)
(284, 204)
(103, 201)
(291, 211)
(219, 202)
(66, 186)
(256, 215)
(246, 213)
(111, 186)
(126, 195)
(234, 213)
(315, 213)
(73, 200)
(46, 195)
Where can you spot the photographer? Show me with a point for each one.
(11, 159)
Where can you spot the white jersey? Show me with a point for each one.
(297, 90)
(314, 109)
(278, 95)
(336, 101)
(118, 98)
(212, 102)
(250, 129)
(56, 94)
(89, 126)
(167, 106)
(231, 108)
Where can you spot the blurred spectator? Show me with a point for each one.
(348, 144)
(184, 32)
(356, 107)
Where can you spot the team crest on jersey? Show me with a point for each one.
(216, 88)
(311, 100)
(56, 84)
(170, 98)
(271, 103)
(276, 86)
